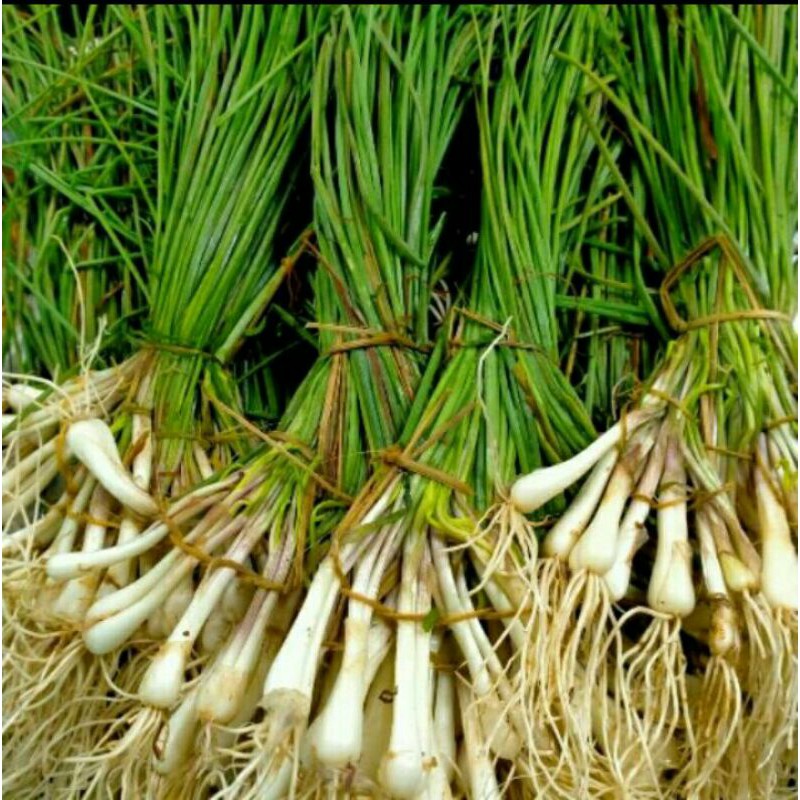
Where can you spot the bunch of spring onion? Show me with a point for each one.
(550, 676)
(729, 179)
(372, 294)
(412, 551)
(210, 232)
(379, 269)
(731, 368)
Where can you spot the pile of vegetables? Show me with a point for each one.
(400, 401)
